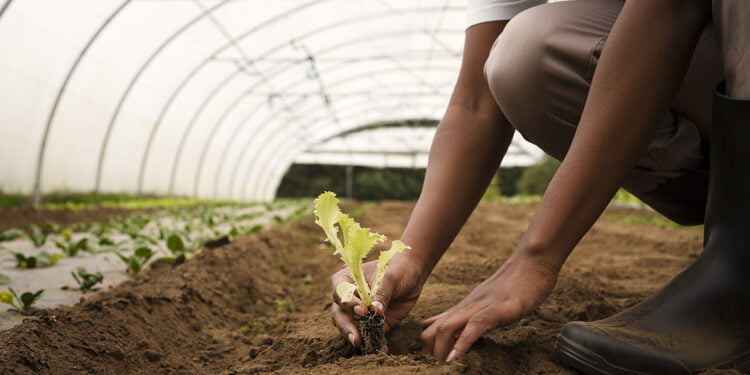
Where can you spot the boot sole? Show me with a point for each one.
(586, 361)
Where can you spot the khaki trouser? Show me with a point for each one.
(540, 71)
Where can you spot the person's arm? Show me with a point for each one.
(640, 70)
(469, 144)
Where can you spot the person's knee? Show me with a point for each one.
(522, 64)
(515, 61)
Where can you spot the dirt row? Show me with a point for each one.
(22, 217)
(262, 305)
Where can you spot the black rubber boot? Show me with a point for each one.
(701, 319)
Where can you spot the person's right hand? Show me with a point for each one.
(398, 293)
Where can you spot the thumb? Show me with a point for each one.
(382, 296)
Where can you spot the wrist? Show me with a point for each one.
(415, 263)
(541, 254)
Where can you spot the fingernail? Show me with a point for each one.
(359, 310)
(350, 336)
(378, 307)
(452, 355)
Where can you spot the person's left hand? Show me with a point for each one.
(512, 292)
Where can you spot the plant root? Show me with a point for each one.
(372, 330)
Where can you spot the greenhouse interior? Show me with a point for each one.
(182, 179)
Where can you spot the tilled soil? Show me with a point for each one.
(262, 304)
(22, 217)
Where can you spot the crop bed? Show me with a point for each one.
(262, 303)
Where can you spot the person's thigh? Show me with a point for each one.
(540, 71)
(731, 22)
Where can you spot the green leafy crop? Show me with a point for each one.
(37, 236)
(25, 301)
(136, 261)
(357, 243)
(10, 234)
(41, 260)
(69, 247)
(86, 280)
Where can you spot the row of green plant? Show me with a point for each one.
(182, 230)
(79, 201)
(24, 303)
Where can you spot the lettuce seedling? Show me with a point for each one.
(37, 236)
(86, 280)
(136, 261)
(41, 260)
(357, 243)
(10, 234)
(25, 302)
(69, 247)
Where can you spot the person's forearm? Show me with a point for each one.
(465, 154)
(642, 65)
(468, 147)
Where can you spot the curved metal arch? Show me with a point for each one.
(245, 34)
(5, 7)
(53, 111)
(134, 80)
(263, 172)
(186, 133)
(274, 49)
(265, 123)
(266, 181)
(231, 107)
(189, 77)
(281, 149)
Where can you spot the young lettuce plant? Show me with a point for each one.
(136, 261)
(69, 247)
(86, 280)
(41, 260)
(357, 243)
(25, 302)
(10, 234)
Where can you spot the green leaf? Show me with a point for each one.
(54, 258)
(10, 234)
(50, 226)
(6, 297)
(384, 259)
(345, 291)
(175, 244)
(144, 253)
(327, 215)
(4, 279)
(37, 236)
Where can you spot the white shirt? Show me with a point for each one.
(480, 11)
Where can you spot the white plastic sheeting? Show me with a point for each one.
(208, 98)
(399, 147)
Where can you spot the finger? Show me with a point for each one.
(437, 339)
(477, 325)
(345, 324)
(445, 335)
(355, 305)
(428, 322)
(383, 295)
